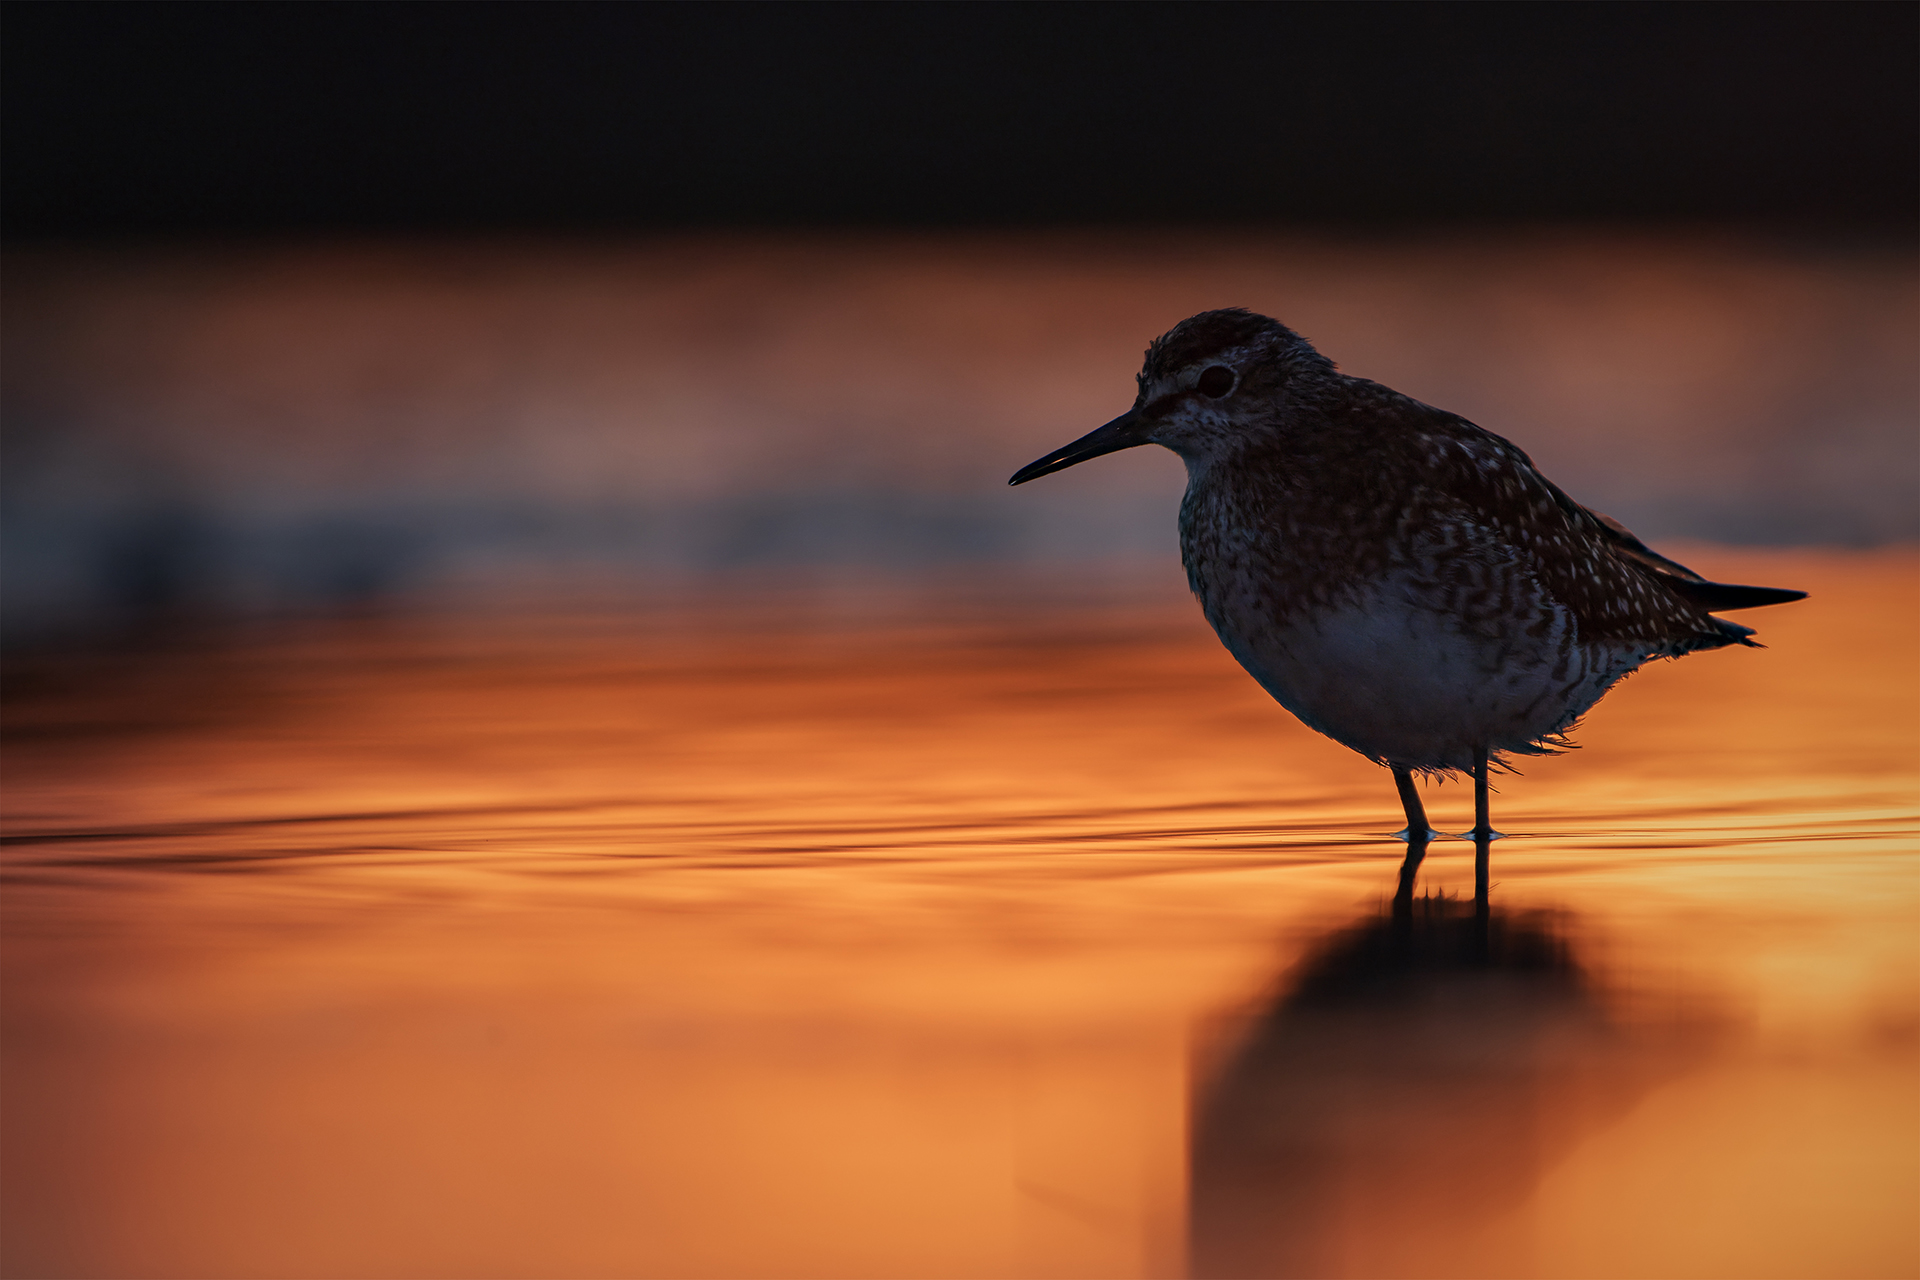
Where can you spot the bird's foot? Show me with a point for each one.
(1477, 834)
(1406, 833)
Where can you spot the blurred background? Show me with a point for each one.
(322, 307)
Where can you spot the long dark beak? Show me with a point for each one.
(1124, 432)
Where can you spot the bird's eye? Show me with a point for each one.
(1216, 381)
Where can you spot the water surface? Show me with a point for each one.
(951, 930)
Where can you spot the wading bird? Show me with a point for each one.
(1403, 581)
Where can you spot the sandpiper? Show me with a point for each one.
(1400, 579)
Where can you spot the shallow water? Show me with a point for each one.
(947, 930)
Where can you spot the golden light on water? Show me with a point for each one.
(960, 931)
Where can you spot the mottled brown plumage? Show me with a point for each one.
(1401, 579)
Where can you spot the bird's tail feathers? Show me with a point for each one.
(1726, 595)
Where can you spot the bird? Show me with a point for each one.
(1403, 581)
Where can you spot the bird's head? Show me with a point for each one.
(1209, 386)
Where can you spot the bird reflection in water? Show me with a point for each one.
(1391, 1113)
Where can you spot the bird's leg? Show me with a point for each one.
(1417, 835)
(1482, 821)
(1483, 832)
(1417, 830)
(1482, 827)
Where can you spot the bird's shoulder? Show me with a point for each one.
(1445, 463)
(1432, 448)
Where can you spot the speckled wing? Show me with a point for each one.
(1617, 587)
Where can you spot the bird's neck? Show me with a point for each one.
(1215, 462)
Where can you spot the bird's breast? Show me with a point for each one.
(1405, 657)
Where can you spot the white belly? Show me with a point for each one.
(1404, 684)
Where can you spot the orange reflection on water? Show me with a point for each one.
(958, 933)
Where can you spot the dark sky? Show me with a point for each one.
(221, 118)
